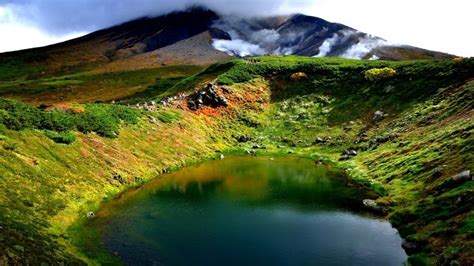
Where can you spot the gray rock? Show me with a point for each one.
(90, 215)
(291, 151)
(350, 152)
(410, 247)
(454, 181)
(463, 176)
(371, 205)
(378, 116)
(321, 140)
(208, 96)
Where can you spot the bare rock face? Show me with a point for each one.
(208, 96)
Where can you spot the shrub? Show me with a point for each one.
(376, 74)
(58, 120)
(103, 119)
(61, 137)
(126, 114)
(99, 120)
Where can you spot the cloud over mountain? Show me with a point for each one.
(60, 17)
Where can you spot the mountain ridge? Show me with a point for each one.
(296, 34)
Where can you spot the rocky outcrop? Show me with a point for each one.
(208, 96)
(373, 206)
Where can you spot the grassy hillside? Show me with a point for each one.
(292, 106)
(91, 86)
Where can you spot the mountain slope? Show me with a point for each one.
(295, 34)
(129, 39)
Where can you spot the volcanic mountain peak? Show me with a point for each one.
(139, 42)
(309, 36)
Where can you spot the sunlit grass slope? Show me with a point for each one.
(292, 106)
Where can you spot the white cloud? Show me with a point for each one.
(17, 36)
(438, 25)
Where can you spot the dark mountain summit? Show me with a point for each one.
(200, 36)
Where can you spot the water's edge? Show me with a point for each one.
(88, 241)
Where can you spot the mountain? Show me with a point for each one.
(85, 120)
(201, 36)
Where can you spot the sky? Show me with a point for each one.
(439, 25)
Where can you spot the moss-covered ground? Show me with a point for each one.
(407, 157)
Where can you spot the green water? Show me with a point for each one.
(247, 211)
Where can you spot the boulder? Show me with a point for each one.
(378, 116)
(373, 206)
(291, 151)
(410, 247)
(321, 140)
(463, 176)
(350, 152)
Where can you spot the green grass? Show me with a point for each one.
(19, 70)
(61, 137)
(429, 125)
(89, 87)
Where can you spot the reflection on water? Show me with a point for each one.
(247, 211)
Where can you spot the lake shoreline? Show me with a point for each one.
(89, 242)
